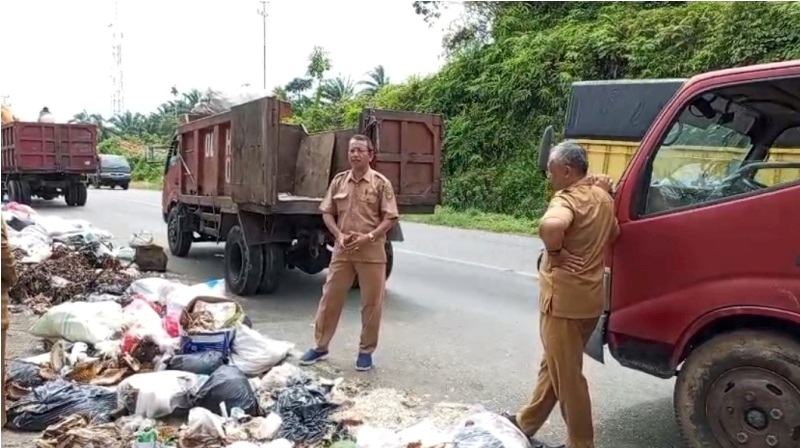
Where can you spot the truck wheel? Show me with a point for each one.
(24, 192)
(81, 195)
(178, 238)
(13, 191)
(389, 262)
(274, 264)
(125, 186)
(740, 388)
(70, 196)
(244, 264)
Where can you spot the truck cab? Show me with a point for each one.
(703, 282)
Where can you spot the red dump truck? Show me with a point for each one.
(48, 160)
(246, 178)
(704, 280)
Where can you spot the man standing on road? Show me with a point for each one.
(577, 228)
(9, 276)
(359, 209)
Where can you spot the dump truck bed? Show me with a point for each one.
(246, 158)
(30, 147)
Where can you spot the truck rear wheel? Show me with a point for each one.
(243, 264)
(740, 388)
(389, 262)
(274, 264)
(20, 191)
(178, 238)
(81, 194)
(70, 196)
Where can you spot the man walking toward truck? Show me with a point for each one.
(577, 228)
(358, 209)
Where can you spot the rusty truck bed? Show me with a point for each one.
(29, 147)
(247, 159)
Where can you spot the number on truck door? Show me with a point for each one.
(227, 156)
(209, 145)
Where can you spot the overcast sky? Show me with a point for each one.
(57, 53)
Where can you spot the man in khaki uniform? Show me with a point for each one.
(577, 229)
(359, 209)
(9, 276)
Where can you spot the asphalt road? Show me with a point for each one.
(460, 324)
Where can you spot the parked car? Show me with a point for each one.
(114, 171)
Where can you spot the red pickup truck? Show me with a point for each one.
(48, 160)
(704, 280)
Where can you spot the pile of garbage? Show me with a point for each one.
(145, 362)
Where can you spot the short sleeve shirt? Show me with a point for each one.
(360, 205)
(588, 211)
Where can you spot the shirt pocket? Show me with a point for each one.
(341, 200)
(370, 196)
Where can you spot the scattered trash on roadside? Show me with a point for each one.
(127, 350)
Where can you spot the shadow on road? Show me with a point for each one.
(647, 424)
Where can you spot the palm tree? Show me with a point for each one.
(95, 119)
(375, 80)
(128, 123)
(337, 89)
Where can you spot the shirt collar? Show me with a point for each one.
(368, 176)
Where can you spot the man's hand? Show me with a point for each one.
(566, 260)
(603, 181)
(342, 240)
(356, 241)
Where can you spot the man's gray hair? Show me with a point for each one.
(571, 154)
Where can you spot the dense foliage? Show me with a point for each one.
(508, 71)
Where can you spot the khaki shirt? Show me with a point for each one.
(589, 212)
(360, 206)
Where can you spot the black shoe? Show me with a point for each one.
(511, 418)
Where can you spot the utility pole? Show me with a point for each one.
(263, 13)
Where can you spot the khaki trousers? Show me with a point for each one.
(561, 381)
(372, 281)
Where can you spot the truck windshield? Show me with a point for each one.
(114, 163)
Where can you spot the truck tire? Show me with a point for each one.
(81, 194)
(125, 186)
(70, 196)
(274, 265)
(740, 388)
(13, 191)
(389, 262)
(178, 238)
(244, 265)
(24, 195)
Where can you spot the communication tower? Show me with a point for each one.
(117, 92)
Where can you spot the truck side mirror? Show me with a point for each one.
(545, 146)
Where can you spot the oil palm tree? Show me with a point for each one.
(338, 89)
(376, 79)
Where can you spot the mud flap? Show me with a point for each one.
(594, 348)
(395, 233)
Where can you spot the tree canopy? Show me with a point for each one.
(507, 75)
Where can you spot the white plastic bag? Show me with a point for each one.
(372, 437)
(489, 430)
(423, 435)
(141, 321)
(179, 297)
(150, 288)
(157, 394)
(254, 353)
(87, 322)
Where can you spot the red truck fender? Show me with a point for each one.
(718, 317)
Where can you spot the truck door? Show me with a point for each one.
(706, 224)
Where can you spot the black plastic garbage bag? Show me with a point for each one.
(24, 374)
(304, 410)
(48, 404)
(230, 385)
(203, 363)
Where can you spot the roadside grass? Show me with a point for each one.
(477, 220)
(146, 185)
(444, 216)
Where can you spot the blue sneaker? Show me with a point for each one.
(312, 356)
(364, 362)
